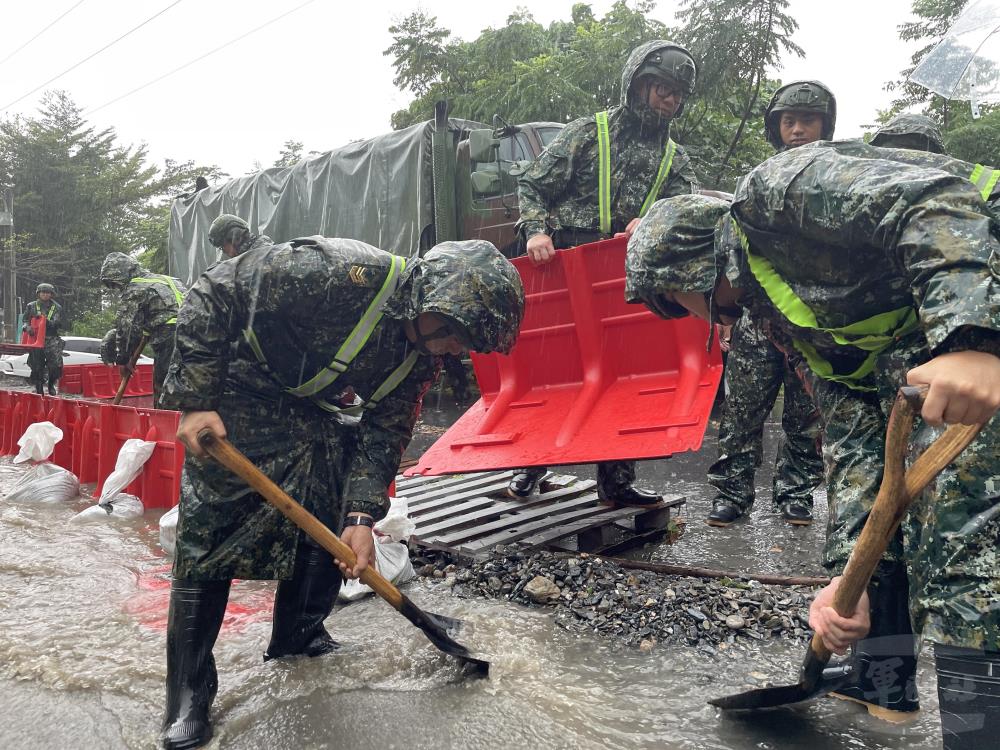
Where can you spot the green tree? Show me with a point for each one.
(290, 154)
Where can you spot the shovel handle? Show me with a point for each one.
(131, 369)
(228, 456)
(896, 493)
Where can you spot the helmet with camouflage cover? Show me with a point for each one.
(664, 60)
(470, 283)
(118, 270)
(227, 228)
(674, 250)
(913, 131)
(43, 287)
(800, 96)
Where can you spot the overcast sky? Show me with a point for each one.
(319, 76)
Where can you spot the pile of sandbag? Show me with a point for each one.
(44, 482)
(113, 502)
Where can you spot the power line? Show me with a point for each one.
(91, 56)
(79, 3)
(199, 58)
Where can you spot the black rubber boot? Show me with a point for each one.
(724, 513)
(630, 496)
(302, 604)
(885, 662)
(524, 481)
(196, 612)
(797, 514)
(52, 389)
(969, 694)
(39, 388)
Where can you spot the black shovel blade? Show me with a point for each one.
(439, 629)
(761, 699)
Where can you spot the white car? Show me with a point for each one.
(80, 350)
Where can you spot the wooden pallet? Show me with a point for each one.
(468, 515)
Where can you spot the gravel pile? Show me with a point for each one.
(632, 607)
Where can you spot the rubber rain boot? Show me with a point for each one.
(525, 481)
(302, 604)
(196, 612)
(885, 661)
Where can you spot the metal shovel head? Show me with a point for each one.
(762, 699)
(439, 629)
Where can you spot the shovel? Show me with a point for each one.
(894, 497)
(130, 369)
(438, 628)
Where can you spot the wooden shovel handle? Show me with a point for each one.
(896, 493)
(131, 369)
(223, 451)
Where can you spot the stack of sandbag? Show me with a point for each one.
(392, 556)
(168, 530)
(44, 482)
(113, 503)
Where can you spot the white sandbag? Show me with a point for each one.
(392, 560)
(38, 442)
(45, 483)
(121, 507)
(168, 530)
(133, 455)
(397, 524)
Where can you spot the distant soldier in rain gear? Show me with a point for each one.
(147, 307)
(823, 241)
(50, 359)
(917, 132)
(597, 178)
(312, 357)
(756, 371)
(232, 236)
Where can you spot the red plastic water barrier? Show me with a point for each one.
(590, 379)
(29, 342)
(93, 433)
(72, 379)
(102, 381)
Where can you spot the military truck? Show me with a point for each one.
(403, 191)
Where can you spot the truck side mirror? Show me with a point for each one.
(483, 146)
(485, 182)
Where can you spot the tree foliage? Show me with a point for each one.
(527, 72)
(79, 195)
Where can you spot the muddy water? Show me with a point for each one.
(82, 616)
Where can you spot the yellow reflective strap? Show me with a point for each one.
(390, 384)
(603, 172)
(357, 338)
(251, 338)
(985, 179)
(161, 279)
(661, 176)
(824, 369)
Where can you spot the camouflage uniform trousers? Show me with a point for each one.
(163, 349)
(948, 539)
(755, 372)
(49, 359)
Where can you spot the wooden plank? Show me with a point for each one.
(549, 510)
(476, 503)
(518, 532)
(427, 532)
(450, 484)
(583, 524)
(457, 497)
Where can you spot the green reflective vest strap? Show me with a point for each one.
(872, 335)
(604, 173)
(167, 281)
(48, 315)
(985, 179)
(390, 384)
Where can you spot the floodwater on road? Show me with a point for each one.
(83, 612)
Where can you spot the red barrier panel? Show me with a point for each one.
(118, 424)
(28, 342)
(87, 441)
(161, 476)
(7, 400)
(590, 379)
(72, 379)
(63, 413)
(102, 381)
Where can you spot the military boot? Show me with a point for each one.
(796, 513)
(196, 612)
(302, 604)
(724, 513)
(39, 388)
(52, 389)
(524, 481)
(885, 661)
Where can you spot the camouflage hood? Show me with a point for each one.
(918, 132)
(119, 269)
(471, 283)
(674, 250)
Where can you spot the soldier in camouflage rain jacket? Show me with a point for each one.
(560, 194)
(820, 240)
(148, 306)
(912, 131)
(312, 356)
(49, 359)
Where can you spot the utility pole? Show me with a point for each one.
(10, 272)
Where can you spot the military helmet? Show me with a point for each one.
(222, 228)
(800, 96)
(674, 250)
(43, 287)
(913, 131)
(672, 63)
(470, 283)
(118, 270)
